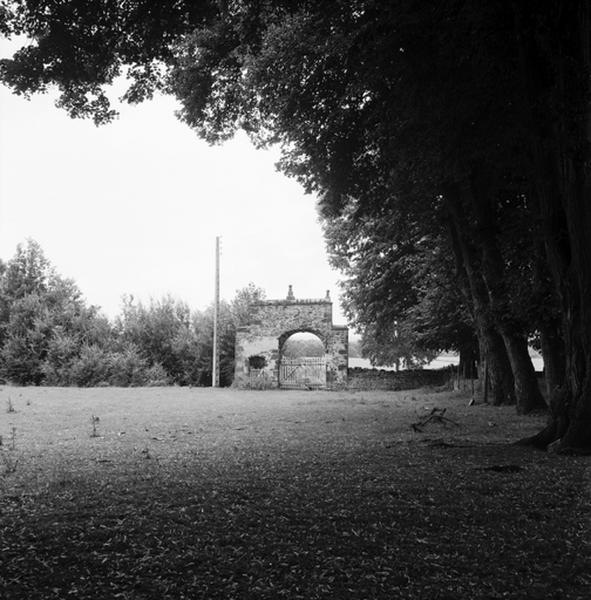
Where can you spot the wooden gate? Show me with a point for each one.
(303, 373)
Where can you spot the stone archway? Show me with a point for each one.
(304, 371)
(272, 322)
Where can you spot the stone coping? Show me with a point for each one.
(285, 302)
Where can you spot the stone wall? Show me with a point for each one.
(380, 379)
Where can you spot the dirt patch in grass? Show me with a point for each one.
(191, 493)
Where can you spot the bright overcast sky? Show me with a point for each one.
(134, 207)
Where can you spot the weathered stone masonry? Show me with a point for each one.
(259, 344)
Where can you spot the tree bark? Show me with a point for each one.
(527, 390)
(492, 347)
(480, 196)
(549, 324)
(553, 355)
(500, 374)
(554, 372)
(468, 362)
(556, 70)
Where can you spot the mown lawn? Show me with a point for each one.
(194, 493)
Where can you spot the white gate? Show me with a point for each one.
(303, 373)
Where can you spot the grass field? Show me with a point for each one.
(194, 493)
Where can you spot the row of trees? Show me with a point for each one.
(448, 143)
(49, 335)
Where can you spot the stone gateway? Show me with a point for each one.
(259, 346)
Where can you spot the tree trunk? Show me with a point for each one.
(560, 127)
(549, 324)
(576, 297)
(500, 374)
(554, 372)
(527, 390)
(468, 361)
(492, 347)
(553, 355)
(480, 195)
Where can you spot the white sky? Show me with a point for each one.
(134, 207)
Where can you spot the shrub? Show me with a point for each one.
(156, 376)
(128, 368)
(92, 367)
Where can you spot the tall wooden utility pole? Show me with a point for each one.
(215, 369)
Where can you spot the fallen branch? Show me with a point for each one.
(437, 415)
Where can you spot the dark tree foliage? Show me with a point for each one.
(44, 319)
(164, 335)
(400, 289)
(475, 113)
(83, 46)
(241, 306)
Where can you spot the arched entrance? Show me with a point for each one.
(302, 361)
(263, 358)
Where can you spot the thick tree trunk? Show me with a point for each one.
(569, 362)
(560, 143)
(502, 383)
(549, 325)
(576, 300)
(492, 347)
(468, 365)
(553, 355)
(527, 391)
(480, 195)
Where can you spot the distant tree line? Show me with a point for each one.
(307, 345)
(49, 335)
